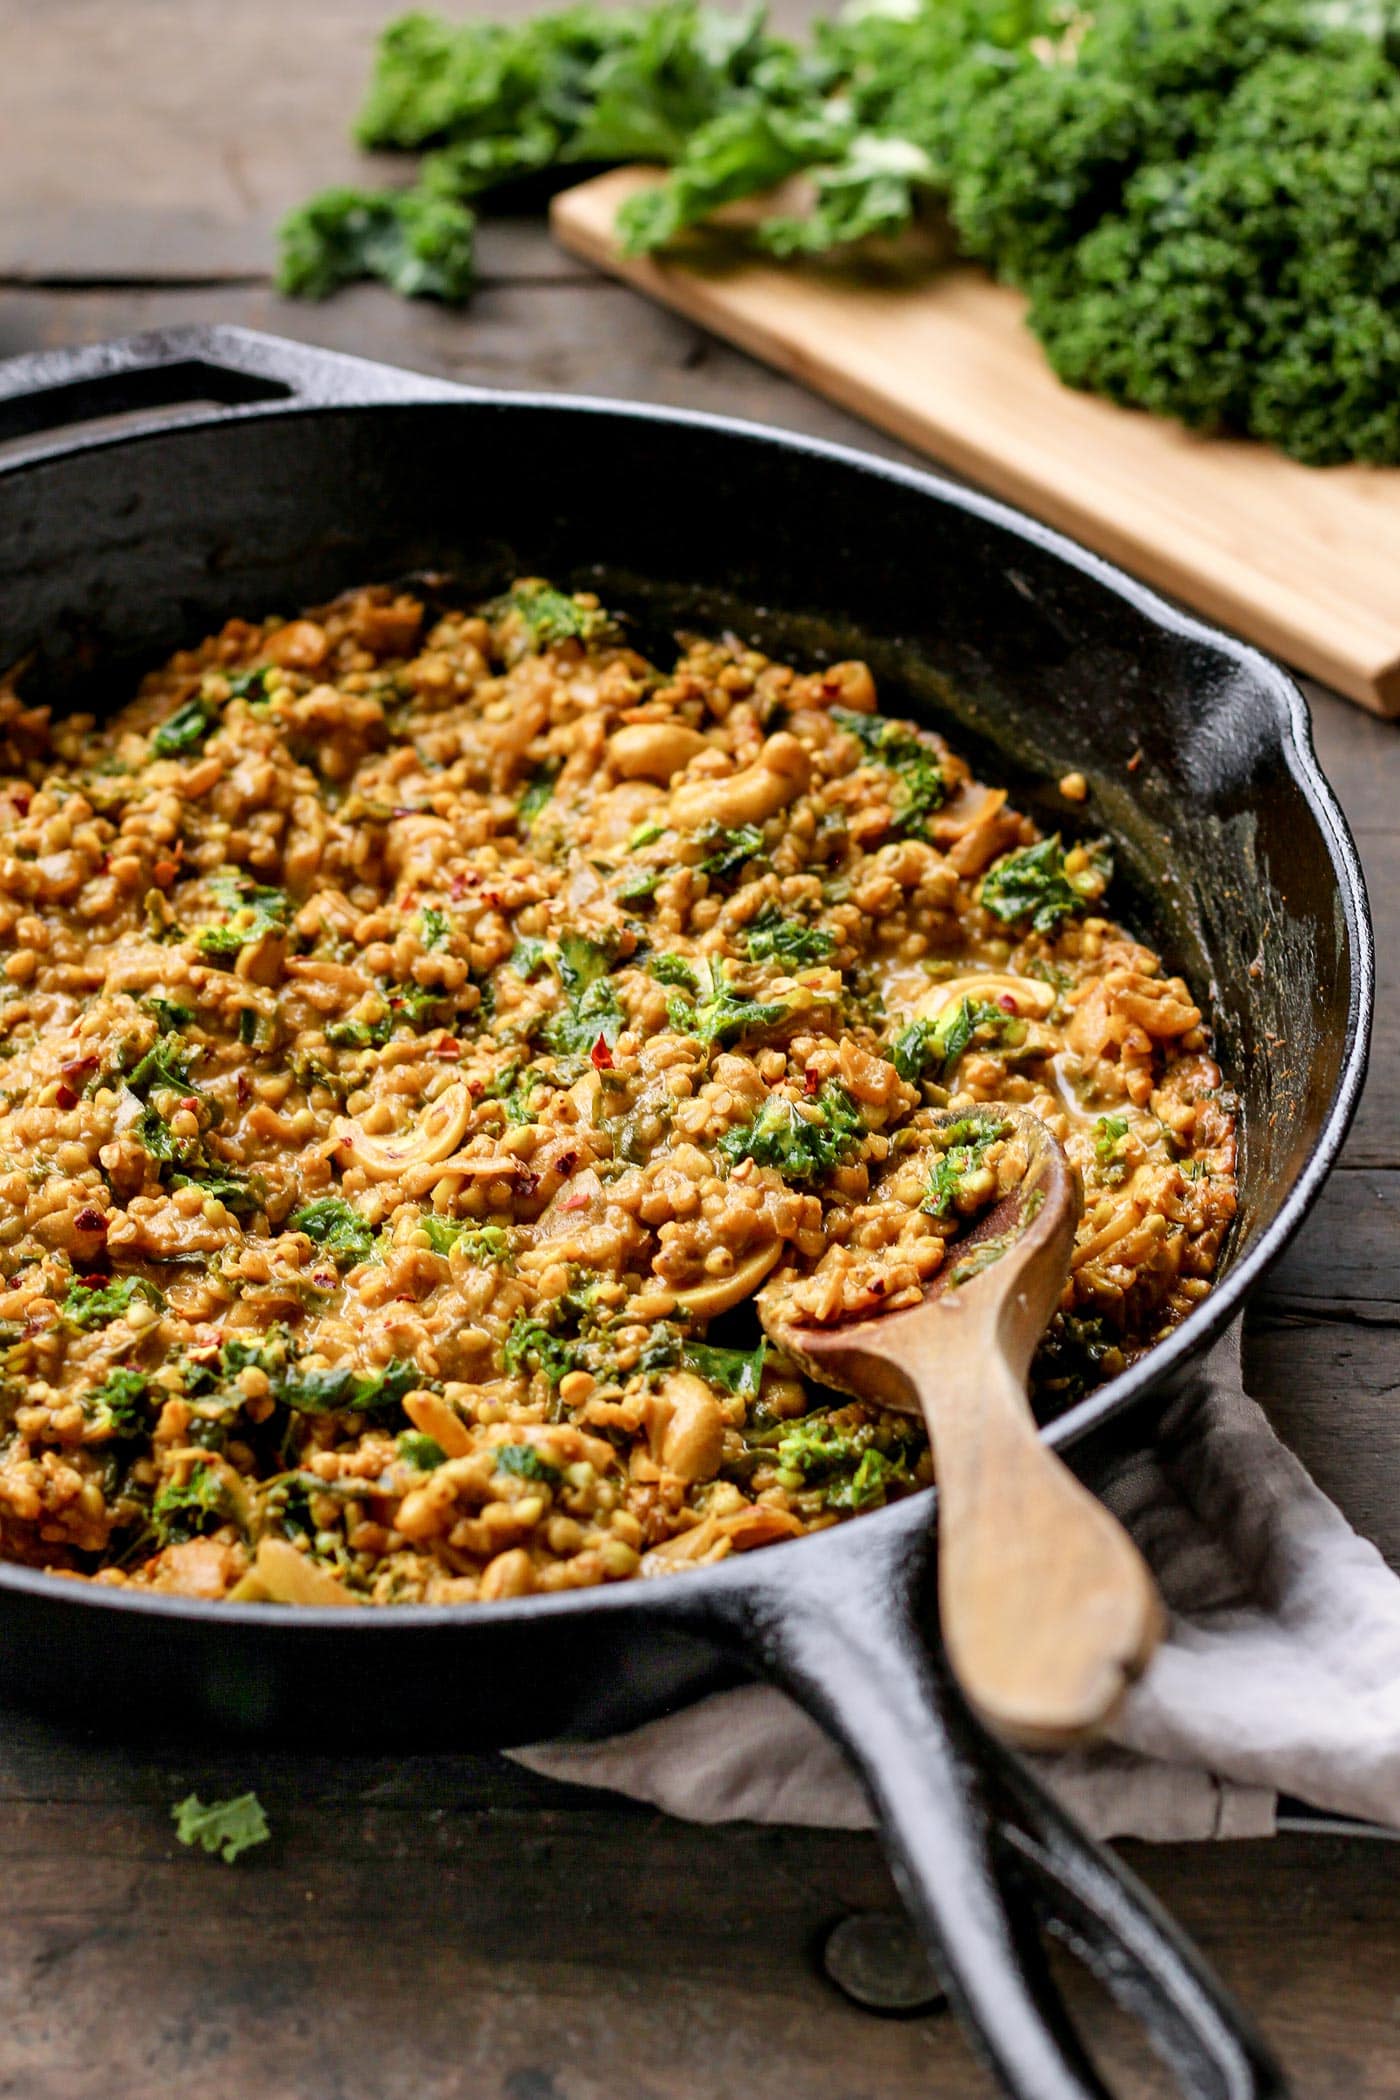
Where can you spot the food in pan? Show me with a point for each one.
(424, 1032)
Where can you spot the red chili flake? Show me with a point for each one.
(459, 887)
(567, 1163)
(811, 1081)
(600, 1056)
(1007, 1003)
(493, 898)
(22, 803)
(94, 1280)
(526, 1183)
(476, 1088)
(449, 1047)
(90, 1220)
(76, 1069)
(64, 1097)
(243, 1087)
(190, 1101)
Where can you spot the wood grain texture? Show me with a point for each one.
(452, 1928)
(1301, 561)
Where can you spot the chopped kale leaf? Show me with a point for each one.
(723, 1014)
(803, 1141)
(852, 1463)
(727, 849)
(539, 791)
(919, 785)
(532, 1346)
(533, 616)
(529, 957)
(338, 1227)
(91, 1302)
(118, 1407)
(190, 1508)
(420, 1451)
(959, 1173)
(733, 1370)
(787, 941)
(226, 1827)
(931, 1049)
(674, 970)
(1032, 885)
(436, 927)
(524, 1461)
(185, 730)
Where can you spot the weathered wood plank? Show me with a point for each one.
(395, 1953)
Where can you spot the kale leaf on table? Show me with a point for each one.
(226, 1827)
(418, 241)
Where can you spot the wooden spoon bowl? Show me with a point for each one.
(1048, 1610)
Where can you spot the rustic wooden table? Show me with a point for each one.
(448, 1928)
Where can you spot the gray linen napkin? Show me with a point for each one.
(1280, 1674)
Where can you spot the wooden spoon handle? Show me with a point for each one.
(1048, 1609)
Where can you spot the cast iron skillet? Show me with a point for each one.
(299, 473)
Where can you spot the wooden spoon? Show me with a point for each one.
(1048, 1610)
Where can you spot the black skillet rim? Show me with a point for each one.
(1225, 1300)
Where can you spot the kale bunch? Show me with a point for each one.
(1201, 198)
(1203, 204)
(495, 103)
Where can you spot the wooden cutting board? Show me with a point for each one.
(1304, 561)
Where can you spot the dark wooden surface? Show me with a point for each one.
(443, 1928)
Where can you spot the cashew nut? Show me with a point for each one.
(762, 1525)
(1033, 998)
(430, 1413)
(780, 773)
(653, 750)
(510, 1574)
(260, 962)
(692, 1442)
(440, 1131)
(281, 1575)
(704, 1300)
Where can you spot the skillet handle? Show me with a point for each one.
(983, 1859)
(168, 368)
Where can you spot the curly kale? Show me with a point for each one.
(418, 241)
(1204, 207)
(1200, 197)
(581, 86)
